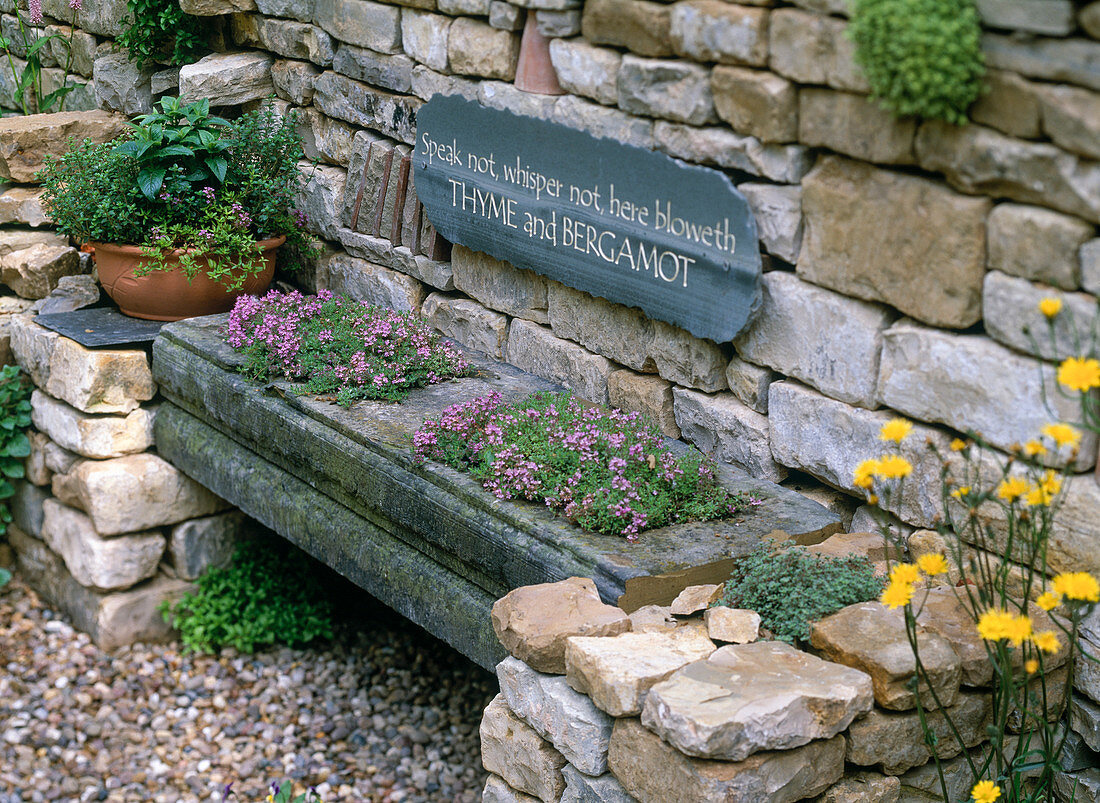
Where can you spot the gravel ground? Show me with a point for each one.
(383, 713)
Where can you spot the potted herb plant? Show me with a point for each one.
(184, 213)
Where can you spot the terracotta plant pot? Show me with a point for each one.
(167, 295)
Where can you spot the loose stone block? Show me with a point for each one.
(498, 791)
(122, 85)
(694, 599)
(869, 545)
(99, 381)
(854, 125)
(786, 164)
(712, 30)
(361, 23)
(500, 286)
(293, 81)
(749, 384)
(137, 492)
(468, 322)
(92, 436)
(1010, 308)
(1010, 104)
(424, 37)
(477, 48)
(392, 72)
(19, 240)
(581, 788)
(754, 102)
(640, 26)
(732, 625)
(23, 205)
(72, 293)
(863, 787)
(34, 272)
(672, 90)
(654, 618)
(25, 141)
(105, 563)
(1036, 243)
(360, 104)
(535, 349)
(227, 79)
(514, 751)
(936, 264)
(648, 768)
(1071, 117)
(813, 49)
(600, 121)
(198, 545)
(870, 637)
(533, 622)
(373, 284)
(618, 672)
(721, 426)
(649, 395)
(568, 720)
(750, 697)
(584, 69)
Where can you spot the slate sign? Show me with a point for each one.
(629, 225)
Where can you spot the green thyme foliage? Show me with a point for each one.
(15, 416)
(268, 595)
(158, 31)
(921, 57)
(792, 588)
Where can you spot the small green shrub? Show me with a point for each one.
(790, 589)
(158, 31)
(15, 416)
(921, 57)
(267, 595)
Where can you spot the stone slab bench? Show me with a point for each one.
(429, 541)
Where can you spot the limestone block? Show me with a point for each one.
(1089, 20)
(131, 493)
(34, 466)
(21, 239)
(92, 436)
(863, 787)
(514, 751)
(392, 72)
(668, 89)
(1035, 16)
(568, 720)
(721, 426)
(584, 69)
(813, 49)
(375, 249)
(227, 79)
(25, 141)
(293, 80)
(749, 384)
(1084, 717)
(323, 138)
(470, 8)
(1078, 787)
(468, 322)
(618, 672)
(969, 382)
(99, 381)
(1089, 255)
(1036, 243)
(732, 625)
(533, 622)
(498, 791)
(603, 122)
(870, 637)
(500, 286)
(34, 272)
(581, 788)
(198, 545)
(361, 23)
(1071, 61)
(122, 85)
(360, 104)
(506, 16)
(553, 24)
(786, 164)
(301, 10)
(535, 349)
(505, 96)
(649, 395)
(712, 30)
(320, 195)
(870, 545)
(694, 599)
(72, 293)
(101, 19)
(648, 768)
(27, 507)
(95, 561)
(1010, 104)
(1087, 672)
(855, 126)
(374, 284)
(778, 213)
(754, 102)
(1071, 117)
(687, 360)
(33, 346)
(214, 8)
(937, 262)
(623, 334)
(424, 37)
(640, 26)
(477, 48)
(1010, 307)
(23, 205)
(294, 40)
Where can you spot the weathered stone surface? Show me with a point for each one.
(600, 121)
(227, 79)
(1071, 117)
(293, 81)
(72, 293)
(1070, 60)
(640, 26)
(358, 103)
(749, 384)
(34, 465)
(506, 16)
(1078, 787)
(33, 346)
(722, 426)
(361, 23)
(757, 103)
(750, 697)
(581, 788)
(649, 395)
(468, 322)
(301, 10)
(1089, 19)
(34, 272)
(105, 563)
(584, 69)
(567, 719)
(786, 164)
(389, 71)
(1036, 243)
(870, 637)
(427, 82)
(424, 37)
(863, 787)
(535, 349)
(968, 382)
(732, 625)
(374, 284)
(99, 381)
(1084, 717)
(514, 751)
(23, 205)
(1089, 255)
(1009, 104)
(813, 49)
(688, 360)
(648, 768)
(936, 263)
(498, 791)
(869, 545)
(1010, 307)
(855, 126)
(1035, 16)
(472, 8)
(25, 141)
(320, 194)
(500, 286)
(295, 40)
(623, 334)
(1087, 672)
(533, 622)
(122, 85)
(375, 249)
(618, 672)
(198, 545)
(712, 30)
(21, 239)
(477, 48)
(133, 493)
(92, 436)
(827, 340)
(930, 542)
(27, 508)
(668, 89)
(558, 23)
(505, 96)
(694, 599)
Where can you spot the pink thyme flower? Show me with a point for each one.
(34, 7)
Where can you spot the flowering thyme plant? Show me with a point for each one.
(606, 470)
(340, 346)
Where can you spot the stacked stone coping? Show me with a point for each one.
(103, 527)
(667, 703)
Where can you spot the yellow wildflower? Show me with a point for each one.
(1047, 641)
(932, 564)
(904, 573)
(896, 594)
(1062, 434)
(1037, 497)
(1018, 630)
(865, 472)
(893, 467)
(1050, 306)
(1048, 601)
(872, 499)
(1034, 449)
(1077, 585)
(985, 792)
(1045, 491)
(1012, 489)
(992, 624)
(1031, 666)
(1079, 373)
(896, 430)
(961, 491)
(958, 444)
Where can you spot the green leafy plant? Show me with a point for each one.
(921, 57)
(15, 417)
(268, 595)
(27, 51)
(5, 577)
(284, 793)
(159, 31)
(792, 588)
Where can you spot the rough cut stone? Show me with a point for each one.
(567, 719)
(498, 791)
(27, 508)
(863, 787)
(133, 493)
(360, 104)
(376, 249)
(750, 697)
(468, 322)
(198, 545)
(1010, 308)
(672, 90)
(618, 672)
(22, 239)
(813, 49)
(1089, 19)
(935, 241)
(757, 103)
(476, 48)
(712, 30)
(293, 80)
(505, 96)
(584, 69)
(854, 125)
(25, 141)
(870, 637)
(558, 23)
(1090, 265)
(361, 23)
(295, 40)
(23, 205)
(92, 436)
(121, 85)
(319, 195)
(374, 284)
(35, 271)
(749, 384)
(732, 625)
(1071, 117)
(640, 26)
(535, 349)
(1077, 787)
(1066, 60)
(514, 751)
(214, 8)
(1084, 717)
(722, 426)
(827, 340)
(533, 622)
(1053, 17)
(227, 79)
(786, 164)
(649, 395)
(1009, 104)
(424, 37)
(33, 346)
(1036, 243)
(506, 16)
(34, 465)
(500, 286)
(870, 545)
(389, 71)
(581, 788)
(104, 563)
(620, 333)
(72, 293)
(301, 10)
(648, 768)
(472, 8)
(603, 122)
(99, 381)
(694, 599)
